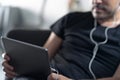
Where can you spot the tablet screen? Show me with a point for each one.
(27, 59)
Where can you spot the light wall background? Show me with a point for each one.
(43, 13)
(32, 10)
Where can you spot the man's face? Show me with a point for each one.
(104, 9)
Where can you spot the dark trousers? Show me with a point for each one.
(24, 78)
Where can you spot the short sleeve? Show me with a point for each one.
(59, 26)
(68, 21)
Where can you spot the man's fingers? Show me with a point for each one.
(5, 56)
(53, 76)
(6, 65)
(8, 69)
(10, 72)
(10, 76)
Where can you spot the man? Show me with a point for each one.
(87, 49)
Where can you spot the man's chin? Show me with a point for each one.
(99, 16)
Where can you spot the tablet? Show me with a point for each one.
(27, 59)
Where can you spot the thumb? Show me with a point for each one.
(53, 76)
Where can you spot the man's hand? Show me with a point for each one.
(8, 69)
(117, 74)
(54, 76)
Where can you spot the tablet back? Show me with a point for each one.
(27, 59)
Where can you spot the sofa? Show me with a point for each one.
(10, 18)
(33, 36)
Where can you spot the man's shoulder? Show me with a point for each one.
(80, 14)
(78, 17)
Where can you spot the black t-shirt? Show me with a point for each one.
(77, 48)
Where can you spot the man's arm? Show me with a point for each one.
(53, 43)
(117, 74)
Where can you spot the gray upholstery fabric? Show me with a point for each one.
(1, 21)
(11, 19)
(1, 18)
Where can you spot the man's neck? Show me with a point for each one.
(112, 22)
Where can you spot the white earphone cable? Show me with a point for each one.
(96, 46)
(99, 43)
